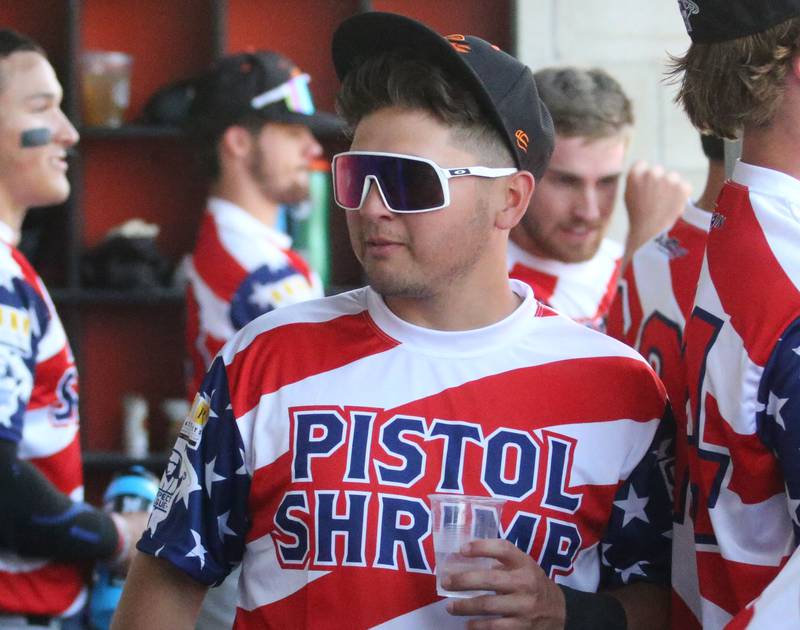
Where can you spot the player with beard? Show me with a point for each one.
(321, 428)
(253, 121)
(559, 247)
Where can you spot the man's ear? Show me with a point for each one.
(518, 192)
(795, 66)
(236, 142)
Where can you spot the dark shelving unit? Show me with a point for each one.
(132, 341)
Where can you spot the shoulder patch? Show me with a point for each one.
(195, 422)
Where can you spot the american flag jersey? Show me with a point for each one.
(737, 522)
(321, 428)
(582, 291)
(240, 269)
(39, 412)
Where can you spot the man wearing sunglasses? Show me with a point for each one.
(322, 428)
(560, 246)
(253, 121)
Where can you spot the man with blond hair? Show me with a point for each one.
(560, 247)
(737, 522)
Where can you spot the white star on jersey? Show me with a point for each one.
(774, 406)
(261, 295)
(634, 569)
(633, 507)
(222, 525)
(211, 476)
(242, 470)
(198, 551)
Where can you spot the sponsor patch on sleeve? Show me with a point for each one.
(195, 422)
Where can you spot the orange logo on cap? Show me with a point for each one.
(522, 140)
(456, 41)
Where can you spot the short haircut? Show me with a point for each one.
(11, 42)
(588, 103)
(399, 79)
(205, 146)
(726, 86)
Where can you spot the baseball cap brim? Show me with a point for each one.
(376, 32)
(320, 123)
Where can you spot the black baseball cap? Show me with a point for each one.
(503, 86)
(710, 21)
(264, 83)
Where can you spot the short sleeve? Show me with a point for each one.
(200, 517)
(637, 543)
(266, 289)
(778, 414)
(24, 318)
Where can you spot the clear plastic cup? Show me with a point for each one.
(458, 519)
(105, 87)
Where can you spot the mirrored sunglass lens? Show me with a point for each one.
(411, 185)
(298, 97)
(348, 180)
(408, 184)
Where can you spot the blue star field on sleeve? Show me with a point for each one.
(266, 289)
(200, 517)
(778, 414)
(637, 543)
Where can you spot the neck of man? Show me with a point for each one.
(520, 237)
(249, 197)
(714, 182)
(775, 145)
(472, 301)
(12, 214)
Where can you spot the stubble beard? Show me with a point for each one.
(290, 194)
(421, 283)
(549, 246)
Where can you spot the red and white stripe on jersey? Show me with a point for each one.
(748, 293)
(49, 438)
(533, 374)
(231, 245)
(581, 291)
(772, 609)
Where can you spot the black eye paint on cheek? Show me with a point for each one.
(35, 137)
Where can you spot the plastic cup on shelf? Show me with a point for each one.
(459, 519)
(105, 87)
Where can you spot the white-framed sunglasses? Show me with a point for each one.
(406, 183)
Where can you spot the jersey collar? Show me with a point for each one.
(237, 218)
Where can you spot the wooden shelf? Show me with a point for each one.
(137, 131)
(113, 296)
